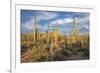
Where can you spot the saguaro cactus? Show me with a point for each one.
(74, 22)
(38, 36)
(74, 31)
(48, 31)
(56, 32)
(35, 30)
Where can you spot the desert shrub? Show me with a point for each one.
(58, 56)
(44, 51)
(40, 54)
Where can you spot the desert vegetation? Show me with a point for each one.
(53, 46)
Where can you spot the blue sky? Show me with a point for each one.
(65, 21)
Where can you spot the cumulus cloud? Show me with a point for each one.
(62, 21)
(29, 26)
(65, 21)
(40, 15)
(84, 22)
(43, 15)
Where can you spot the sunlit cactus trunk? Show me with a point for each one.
(74, 31)
(47, 32)
(35, 30)
(74, 22)
(56, 32)
(38, 36)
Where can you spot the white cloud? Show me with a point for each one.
(62, 21)
(59, 21)
(29, 26)
(86, 26)
(68, 20)
(83, 22)
(84, 19)
(45, 15)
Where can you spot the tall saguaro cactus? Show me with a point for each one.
(48, 31)
(74, 31)
(74, 22)
(56, 32)
(35, 30)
